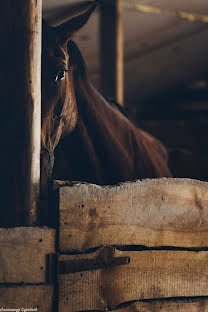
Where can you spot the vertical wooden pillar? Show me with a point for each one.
(111, 49)
(20, 110)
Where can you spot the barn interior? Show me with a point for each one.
(165, 74)
(140, 245)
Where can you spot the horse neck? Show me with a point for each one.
(108, 146)
(92, 106)
(96, 130)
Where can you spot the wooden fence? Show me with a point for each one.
(24, 276)
(142, 243)
(139, 246)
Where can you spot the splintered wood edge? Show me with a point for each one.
(164, 212)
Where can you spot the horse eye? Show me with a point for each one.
(60, 76)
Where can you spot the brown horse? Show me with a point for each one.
(94, 141)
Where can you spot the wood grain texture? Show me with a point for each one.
(161, 212)
(28, 297)
(23, 254)
(196, 305)
(150, 274)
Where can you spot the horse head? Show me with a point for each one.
(59, 70)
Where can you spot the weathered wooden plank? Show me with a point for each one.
(193, 305)
(150, 274)
(23, 254)
(160, 212)
(36, 297)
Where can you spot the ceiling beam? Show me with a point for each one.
(145, 8)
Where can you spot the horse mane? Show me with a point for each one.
(105, 147)
(76, 61)
(117, 105)
(80, 72)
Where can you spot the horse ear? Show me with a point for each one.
(65, 31)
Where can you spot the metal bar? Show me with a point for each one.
(72, 266)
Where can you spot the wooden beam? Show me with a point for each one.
(161, 9)
(20, 78)
(111, 49)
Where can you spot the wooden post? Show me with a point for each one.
(111, 49)
(20, 108)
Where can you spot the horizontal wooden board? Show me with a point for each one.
(159, 212)
(38, 297)
(193, 305)
(150, 274)
(23, 254)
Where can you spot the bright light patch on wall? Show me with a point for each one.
(190, 16)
